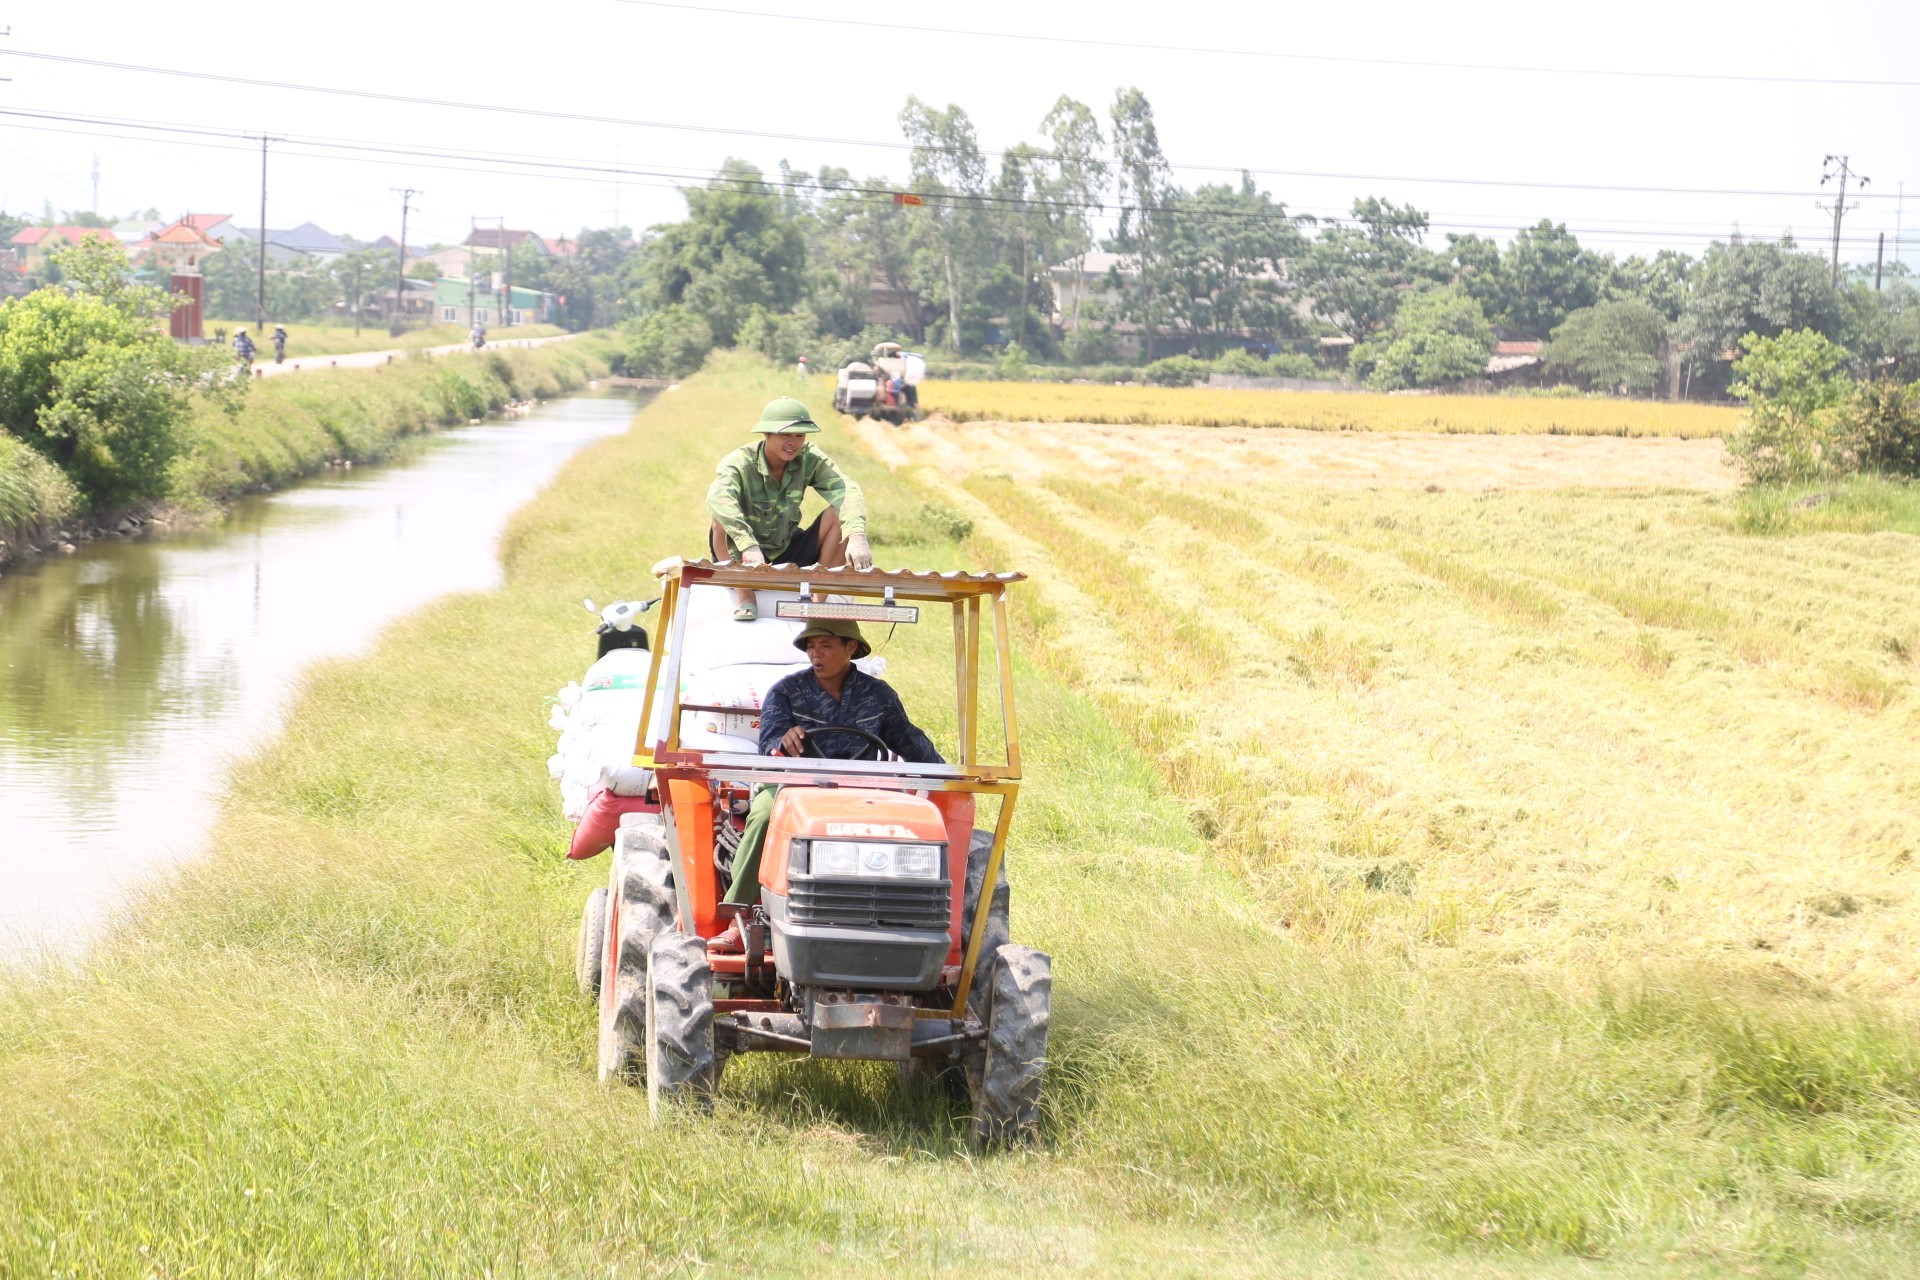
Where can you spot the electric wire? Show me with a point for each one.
(828, 140)
(1413, 64)
(577, 170)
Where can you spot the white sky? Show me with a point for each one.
(640, 62)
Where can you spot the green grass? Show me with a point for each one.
(288, 427)
(1857, 504)
(346, 1042)
(35, 495)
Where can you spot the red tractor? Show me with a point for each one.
(882, 931)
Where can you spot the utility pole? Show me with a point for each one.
(406, 195)
(260, 300)
(1879, 260)
(1837, 167)
(96, 182)
(473, 225)
(506, 278)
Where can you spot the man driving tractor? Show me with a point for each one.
(821, 707)
(755, 497)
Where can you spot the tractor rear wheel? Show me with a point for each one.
(592, 950)
(643, 907)
(999, 931)
(681, 1064)
(1005, 1073)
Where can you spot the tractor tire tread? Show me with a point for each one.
(681, 1062)
(1004, 1076)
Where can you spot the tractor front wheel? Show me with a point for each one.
(642, 907)
(681, 1064)
(1004, 1074)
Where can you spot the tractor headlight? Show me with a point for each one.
(874, 860)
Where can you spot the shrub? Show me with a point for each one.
(99, 390)
(1886, 426)
(1614, 346)
(1013, 363)
(1437, 337)
(1798, 423)
(1175, 371)
(34, 494)
(669, 343)
(781, 336)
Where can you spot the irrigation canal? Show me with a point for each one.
(132, 670)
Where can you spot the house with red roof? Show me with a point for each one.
(31, 245)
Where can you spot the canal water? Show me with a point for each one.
(133, 670)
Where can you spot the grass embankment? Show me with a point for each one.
(290, 426)
(35, 495)
(347, 1042)
(1323, 411)
(307, 340)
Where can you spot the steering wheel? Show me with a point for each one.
(808, 749)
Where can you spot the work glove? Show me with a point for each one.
(859, 554)
(753, 557)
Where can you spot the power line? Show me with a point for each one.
(1327, 58)
(565, 169)
(827, 140)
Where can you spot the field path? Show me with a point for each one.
(367, 359)
(1358, 460)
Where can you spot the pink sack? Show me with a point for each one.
(593, 834)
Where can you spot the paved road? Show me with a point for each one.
(263, 360)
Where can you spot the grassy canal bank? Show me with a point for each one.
(286, 428)
(347, 1042)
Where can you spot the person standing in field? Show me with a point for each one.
(754, 502)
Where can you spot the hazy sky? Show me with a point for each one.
(654, 65)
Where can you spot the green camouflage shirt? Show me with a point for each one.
(755, 510)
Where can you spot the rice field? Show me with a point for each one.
(1323, 411)
(1440, 885)
(1557, 726)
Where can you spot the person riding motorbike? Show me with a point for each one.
(243, 348)
(279, 343)
(479, 335)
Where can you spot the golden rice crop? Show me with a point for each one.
(1322, 411)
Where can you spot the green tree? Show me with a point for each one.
(1547, 274)
(1223, 260)
(1356, 273)
(736, 248)
(1760, 287)
(357, 278)
(1438, 337)
(1612, 346)
(949, 172)
(90, 379)
(1072, 182)
(1660, 282)
(668, 343)
(1143, 183)
(1797, 393)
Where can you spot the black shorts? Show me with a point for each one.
(803, 550)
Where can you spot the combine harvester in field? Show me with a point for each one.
(876, 935)
(887, 388)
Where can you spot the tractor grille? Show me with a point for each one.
(867, 902)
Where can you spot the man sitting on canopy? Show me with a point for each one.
(802, 713)
(754, 502)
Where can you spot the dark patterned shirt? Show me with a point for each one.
(865, 701)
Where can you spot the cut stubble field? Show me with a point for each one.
(1449, 884)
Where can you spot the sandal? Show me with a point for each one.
(747, 613)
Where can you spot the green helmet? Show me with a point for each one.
(846, 630)
(786, 416)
